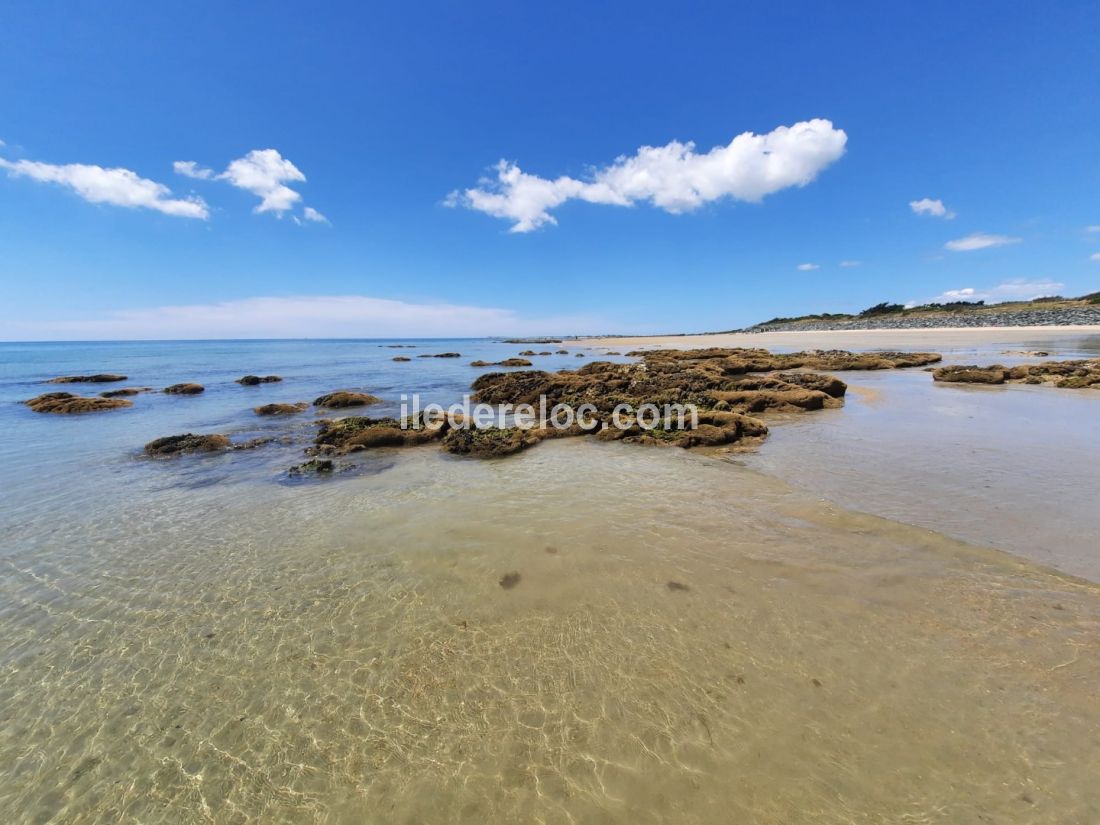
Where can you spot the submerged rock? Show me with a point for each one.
(402, 358)
(345, 398)
(281, 409)
(98, 378)
(67, 403)
(187, 443)
(123, 392)
(253, 380)
(185, 389)
(314, 465)
(490, 442)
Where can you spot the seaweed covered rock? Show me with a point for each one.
(401, 358)
(828, 384)
(253, 380)
(281, 409)
(995, 374)
(314, 465)
(348, 435)
(171, 445)
(123, 392)
(1075, 375)
(98, 378)
(507, 362)
(441, 355)
(341, 399)
(185, 389)
(491, 442)
(68, 404)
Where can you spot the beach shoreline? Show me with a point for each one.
(931, 338)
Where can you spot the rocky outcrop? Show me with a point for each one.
(441, 355)
(507, 362)
(185, 389)
(68, 404)
(124, 392)
(98, 378)
(1075, 375)
(402, 358)
(253, 380)
(281, 409)
(341, 399)
(171, 445)
(355, 433)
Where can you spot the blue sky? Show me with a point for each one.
(387, 111)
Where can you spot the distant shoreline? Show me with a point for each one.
(854, 339)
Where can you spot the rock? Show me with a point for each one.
(68, 404)
(402, 358)
(171, 445)
(185, 389)
(546, 352)
(1074, 375)
(507, 362)
(562, 352)
(441, 355)
(253, 380)
(124, 391)
(612, 352)
(98, 378)
(315, 465)
(281, 409)
(345, 398)
(828, 384)
(580, 355)
(510, 580)
(348, 435)
(490, 442)
(528, 352)
(970, 375)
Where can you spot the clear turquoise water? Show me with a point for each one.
(202, 640)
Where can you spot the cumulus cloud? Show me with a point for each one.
(190, 169)
(673, 177)
(933, 207)
(850, 264)
(316, 316)
(263, 172)
(979, 240)
(311, 214)
(114, 186)
(808, 267)
(1016, 290)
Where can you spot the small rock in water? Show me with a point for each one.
(509, 580)
(677, 586)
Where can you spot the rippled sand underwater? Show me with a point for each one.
(687, 641)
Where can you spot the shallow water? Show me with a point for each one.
(689, 640)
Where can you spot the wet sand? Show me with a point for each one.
(932, 339)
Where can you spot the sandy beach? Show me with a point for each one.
(933, 339)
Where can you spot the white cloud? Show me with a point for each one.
(190, 169)
(116, 186)
(1095, 256)
(265, 173)
(979, 240)
(808, 267)
(672, 177)
(850, 264)
(933, 207)
(316, 316)
(1016, 290)
(1093, 228)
